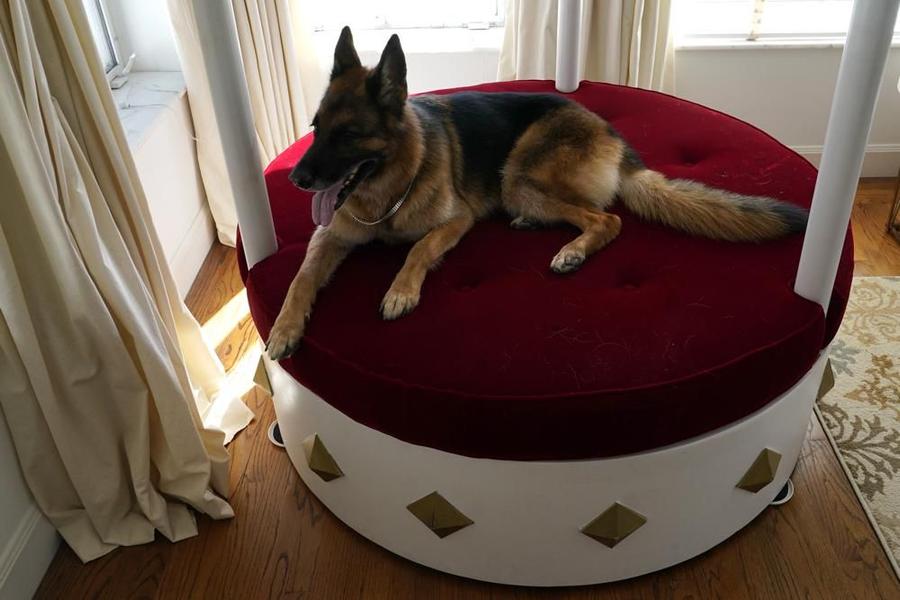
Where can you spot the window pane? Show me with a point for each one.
(719, 18)
(780, 18)
(367, 14)
(100, 33)
(803, 18)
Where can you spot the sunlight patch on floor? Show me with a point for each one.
(240, 376)
(217, 330)
(238, 382)
(226, 319)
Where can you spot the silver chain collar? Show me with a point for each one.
(391, 212)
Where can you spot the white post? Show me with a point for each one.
(859, 77)
(231, 104)
(567, 33)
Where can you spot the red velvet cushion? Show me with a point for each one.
(658, 338)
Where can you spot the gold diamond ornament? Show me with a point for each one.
(439, 515)
(761, 472)
(319, 459)
(614, 525)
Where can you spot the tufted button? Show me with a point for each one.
(690, 157)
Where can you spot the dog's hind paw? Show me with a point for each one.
(284, 339)
(398, 303)
(567, 261)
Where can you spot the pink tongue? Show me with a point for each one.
(323, 204)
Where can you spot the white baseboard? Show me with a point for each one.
(189, 256)
(27, 555)
(882, 160)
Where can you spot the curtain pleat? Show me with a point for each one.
(623, 41)
(115, 404)
(283, 78)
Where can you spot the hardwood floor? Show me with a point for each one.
(284, 544)
(875, 251)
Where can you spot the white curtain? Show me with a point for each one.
(283, 77)
(622, 41)
(113, 400)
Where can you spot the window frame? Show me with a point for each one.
(112, 42)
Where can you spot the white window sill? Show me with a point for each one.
(416, 41)
(144, 99)
(735, 43)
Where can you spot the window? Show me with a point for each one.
(812, 21)
(100, 30)
(407, 14)
(448, 43)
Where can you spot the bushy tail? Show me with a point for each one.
(700, 210)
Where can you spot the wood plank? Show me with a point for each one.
(285, 544)
(875, 251)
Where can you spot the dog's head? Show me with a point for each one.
(357, 125)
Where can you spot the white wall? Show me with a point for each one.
(143, 27)
(155, 113)
(436, 58)
(438, 70)
(27, 540)
(167, 165)
(787, 92)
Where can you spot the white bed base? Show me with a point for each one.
(528, 515)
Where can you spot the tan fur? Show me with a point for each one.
(432, 214)
(573, 182)
(403, 296)
(568, 166)
(697, 209)
(323, 255)
(583, 166)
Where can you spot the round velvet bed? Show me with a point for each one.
(504, 359)
(527, 428)
(652, 381)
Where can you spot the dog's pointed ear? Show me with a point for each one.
(387, 82)
(345, 56)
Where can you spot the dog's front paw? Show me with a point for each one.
(567, 261)
(397, 303)
(284, 339)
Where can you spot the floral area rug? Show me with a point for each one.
(861, 414)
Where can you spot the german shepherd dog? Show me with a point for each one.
(425, 169)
